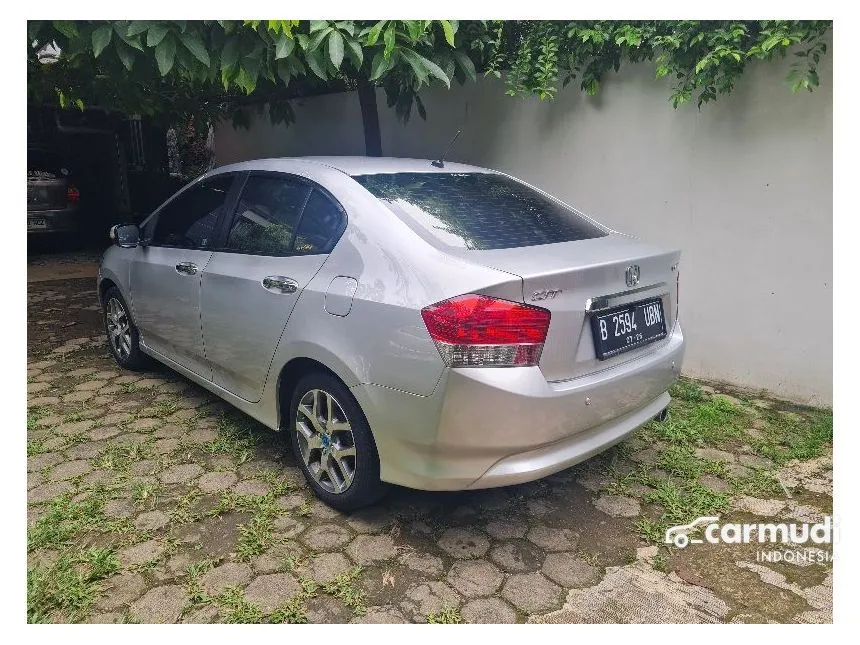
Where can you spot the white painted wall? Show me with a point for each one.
(743, 186)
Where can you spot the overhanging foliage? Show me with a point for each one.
(213, 69)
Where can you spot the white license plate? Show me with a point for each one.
(36, 223)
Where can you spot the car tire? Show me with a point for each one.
(338, 451)
(122, 335)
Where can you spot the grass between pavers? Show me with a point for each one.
(235, 608)
(447, 615)
(66, 588)
(69, 586)
(728, 423)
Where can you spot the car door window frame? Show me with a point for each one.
(227, 223)
(228, 207)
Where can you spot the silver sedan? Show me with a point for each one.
(441, 328)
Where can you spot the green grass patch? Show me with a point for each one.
(237, 609)
(122, 456)
(447, 615)
(67, 520)
(344, 587)
(68, 588)
(682, 502)
(34, 415)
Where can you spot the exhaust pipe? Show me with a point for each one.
(663, 415)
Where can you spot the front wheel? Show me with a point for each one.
(333, 444)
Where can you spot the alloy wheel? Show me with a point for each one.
(119, 328)
(326, 441)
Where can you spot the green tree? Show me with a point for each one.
(213, 70)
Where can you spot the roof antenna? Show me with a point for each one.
(440, 162)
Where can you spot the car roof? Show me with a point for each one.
(365, 165)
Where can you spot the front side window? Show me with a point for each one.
(266, 216)
(188, 221)
(478, 210)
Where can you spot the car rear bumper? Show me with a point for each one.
(62, 220)
(490, 427)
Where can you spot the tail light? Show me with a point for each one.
(677, 294)
(479, 331)
(73, 194)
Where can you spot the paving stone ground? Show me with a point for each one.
(185, 510)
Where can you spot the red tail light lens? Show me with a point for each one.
(479, 331)
(72, 194)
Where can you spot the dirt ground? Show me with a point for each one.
(149, 500)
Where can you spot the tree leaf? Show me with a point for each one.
(136, 27)
(449, 31)
(316, 65)
(79, 104)
(388, 39)
(355, 51)
(373, 34)
(335, 48)
(131, 41)
(101, 39)
(315, 40)
(230, 54)
(347, 26)
(284, 47)
(156, 34)
(165, 54)
(379, 66)
(466, 64)
(436, 71)
(416, 62)
(194, 44)
(283, 70)
(126, 54)
(66, 27)
(317, 25)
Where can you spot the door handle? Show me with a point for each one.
(186, 268)
(280, 284)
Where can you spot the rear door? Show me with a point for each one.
(278, 238)
(166, 272)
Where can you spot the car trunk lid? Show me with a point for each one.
(577, 280)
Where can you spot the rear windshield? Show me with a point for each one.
(478, 210)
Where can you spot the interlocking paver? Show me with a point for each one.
(500, 556)
(464, 543)
(532, 592)
(474, 578)
(493, 611)
(229, 574)
(326, 537)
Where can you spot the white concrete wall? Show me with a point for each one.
(743, 186)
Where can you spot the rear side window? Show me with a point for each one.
(267, 215)
(478, 210)
(189, 220)
(321, 225)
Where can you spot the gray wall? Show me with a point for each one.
(743, 186)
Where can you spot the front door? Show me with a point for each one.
(166, 273)
(281, 233)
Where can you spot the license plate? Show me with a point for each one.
(628, 327)
(36, 222)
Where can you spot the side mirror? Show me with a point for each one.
(125, 235)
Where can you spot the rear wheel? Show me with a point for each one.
(333, 444)
(123, 338)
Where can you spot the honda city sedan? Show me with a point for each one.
(433, 325)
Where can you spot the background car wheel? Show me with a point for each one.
(333, 443)
(122, 335)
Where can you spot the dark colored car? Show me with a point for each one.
(52, 197)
